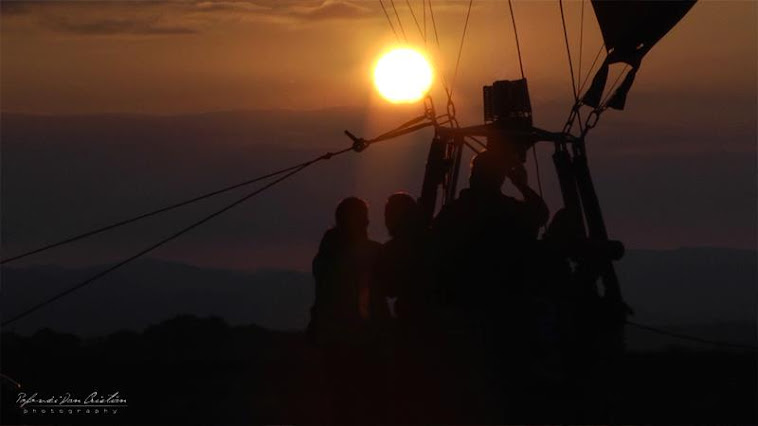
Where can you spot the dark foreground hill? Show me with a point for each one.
(184, 370)
(203, 371)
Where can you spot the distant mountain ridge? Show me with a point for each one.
(702, 289)
(150, 291)
(691, 285)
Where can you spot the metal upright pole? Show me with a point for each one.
(594, 216)
(435, 173)
(567, 181)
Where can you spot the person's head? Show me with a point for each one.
(488, 171)
(401, 214)
(352, 215)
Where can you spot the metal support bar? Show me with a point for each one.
(594, 216)
(456, 156)
(567, 181)
(493, 129)
(435, 173)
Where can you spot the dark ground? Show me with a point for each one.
(202, 371)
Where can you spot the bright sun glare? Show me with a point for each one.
(403, 76)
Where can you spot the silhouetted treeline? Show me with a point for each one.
(183, 370)
(201, 370)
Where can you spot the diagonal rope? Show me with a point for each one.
(589, 71)
(523, 76)
(434, 24)
(146, 215)
(515, 34)
(413, 14)
(460, 49)
(471, 147)
(389, 20)
(537, 169)
(399, 22)
(568, 51)
(439, 49)
(423, 4)
(173, 236)
(478, 141)
(581, 44)
(692, 338)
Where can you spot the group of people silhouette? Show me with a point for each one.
(471, 317)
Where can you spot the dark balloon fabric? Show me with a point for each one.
(630, 29)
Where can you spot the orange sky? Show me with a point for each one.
(216, 55)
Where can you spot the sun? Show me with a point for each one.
(403, 75)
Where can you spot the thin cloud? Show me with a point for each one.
(175, 18)
(110, 26)
(231, 6)
(286, 11)
(334, 9)
(13, 8)
(100, 18)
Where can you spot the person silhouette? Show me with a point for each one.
(484, 243)
(402, 274)
(403, 259)
(341, 312)
(482, 237)
(576, 331)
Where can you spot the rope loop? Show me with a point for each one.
(450, 109)
(593, 118)
(358, 145)
(570, 121)
(429, 111)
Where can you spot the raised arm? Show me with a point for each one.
(535, 207)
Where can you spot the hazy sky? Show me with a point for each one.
(152, 57)
(676, 168)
